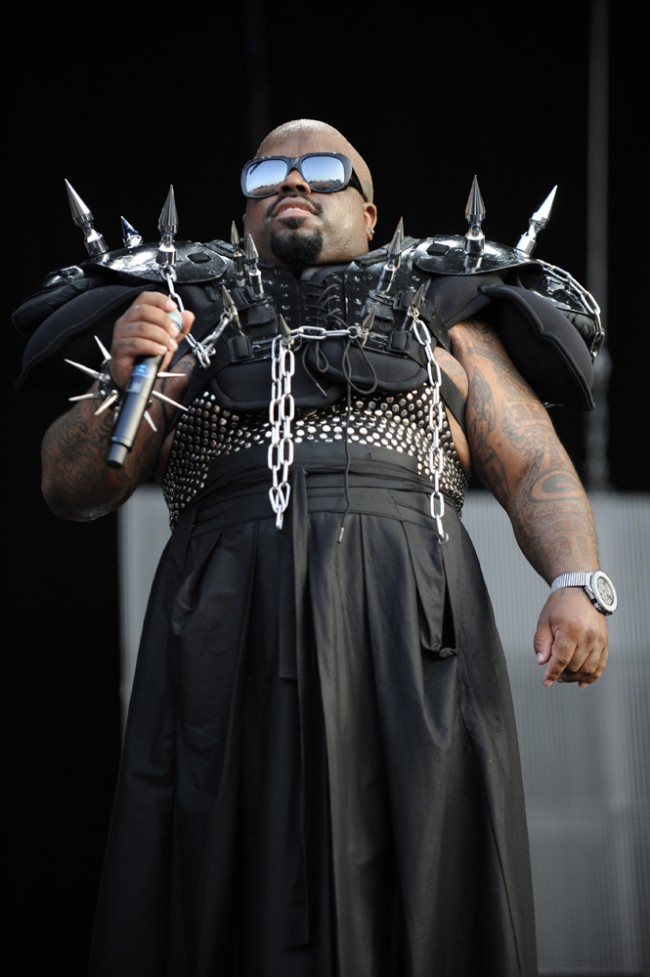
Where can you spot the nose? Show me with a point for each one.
(294, 183)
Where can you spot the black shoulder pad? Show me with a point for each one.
(459, 297)
(543, 343)
(58, 288)
(73, 325)
(542, 336)
(571, 298)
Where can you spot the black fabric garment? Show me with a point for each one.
(320, 774)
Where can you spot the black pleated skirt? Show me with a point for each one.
(320, 775)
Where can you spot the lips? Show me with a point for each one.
(292, 207)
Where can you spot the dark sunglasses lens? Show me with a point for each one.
(264, 176)
(324, 174)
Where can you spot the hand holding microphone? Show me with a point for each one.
(153, 321)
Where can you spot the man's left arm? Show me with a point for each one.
(518, 456)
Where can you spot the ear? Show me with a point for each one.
(370, 218)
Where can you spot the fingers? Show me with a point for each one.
(581, 661)
(151, 326)
(571, 641)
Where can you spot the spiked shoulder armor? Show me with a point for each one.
(548, 322)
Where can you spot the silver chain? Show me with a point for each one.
(436, 456)
(580, 300)
(168, 275)
(282, 409)
(204, 349)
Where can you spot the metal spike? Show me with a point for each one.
(413, 311)
(83, 218)
(130, 236)
(395, 247)
(95, 374)
(107, 403)
(237, 253)
(392, 262)
(160, 396)
(105, 353)
(284, 326)
(230, 308)
(91, 396)
(167, 225)
(418, 297)
(228, 303)
(251, 251)
(235, 238)
(168, 220)
(366, 326)
(252, 271)
(536, 222)
(475, 215)
(475, 207)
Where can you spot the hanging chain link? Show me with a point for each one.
(436, 456)
(169, 276)
(281, 413)
(282, 408)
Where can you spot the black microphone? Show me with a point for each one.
(137, 397)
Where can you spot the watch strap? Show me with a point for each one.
(606, 602)
(572, 579)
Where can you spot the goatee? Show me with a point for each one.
(296, 251)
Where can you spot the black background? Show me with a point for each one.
(430, 95)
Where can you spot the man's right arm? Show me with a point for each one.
(77, 483)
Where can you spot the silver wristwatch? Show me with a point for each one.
(599, 588)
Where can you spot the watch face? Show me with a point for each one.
(605, 591)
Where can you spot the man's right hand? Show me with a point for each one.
(146, 329)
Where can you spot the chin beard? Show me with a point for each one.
(296, 251)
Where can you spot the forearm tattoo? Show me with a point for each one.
(76, 475)
(518, 456)
(77, 481)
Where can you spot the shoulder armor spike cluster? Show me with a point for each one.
(474, 242)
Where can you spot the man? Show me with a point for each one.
(320, 772)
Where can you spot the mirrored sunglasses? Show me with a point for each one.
(324, 172)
